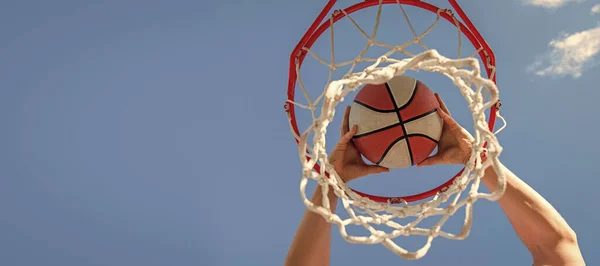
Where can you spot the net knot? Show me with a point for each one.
(451, 209)
(472, 197)
(299, 54)
(397, 200)
(447, 11)
(379, 234)
(435, 231)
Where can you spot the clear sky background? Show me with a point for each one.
(153, 132)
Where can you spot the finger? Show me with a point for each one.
(448, 120)
(376, 169)
(444, 115)
(430, 161)
(442, 104)
(345, 128)
(348, 136)
(370, 169)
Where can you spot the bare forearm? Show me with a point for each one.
(539, 226)
(312, 244)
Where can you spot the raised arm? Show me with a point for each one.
(312, 244)
(539, 226)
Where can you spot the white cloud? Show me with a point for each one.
(596, 9)
(550, 3)
(569, 54)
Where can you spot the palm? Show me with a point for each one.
(454, 146)
(346, 159)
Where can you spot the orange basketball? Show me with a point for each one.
(397, 122)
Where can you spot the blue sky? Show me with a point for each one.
(153, 132)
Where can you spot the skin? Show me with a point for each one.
(540, 227)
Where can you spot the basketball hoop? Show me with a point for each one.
(466, 76)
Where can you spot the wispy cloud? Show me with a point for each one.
(570, 54)
(550, 3)
(596, 9)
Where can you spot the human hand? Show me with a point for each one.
(454, 146)
(346, 159)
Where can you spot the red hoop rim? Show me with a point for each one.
(318, 27)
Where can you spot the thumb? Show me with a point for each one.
(432, 160)
(376, 169)
(448, 120)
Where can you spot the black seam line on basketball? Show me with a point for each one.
(375, 131)
(396, 108)
(387, 86)
(420, 116)
(375, 109)
(422, 135)
(387, 150)
(412, 96)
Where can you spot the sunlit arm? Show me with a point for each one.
(312, 243)
(539, 226)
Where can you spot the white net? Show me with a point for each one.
(384, 221)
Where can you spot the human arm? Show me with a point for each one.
(312, 243)
(540, 227)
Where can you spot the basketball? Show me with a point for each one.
(397, 122)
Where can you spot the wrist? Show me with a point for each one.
(339, 172)
(344, 177)
(466, 157)
(466, 145)
(482, 157)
